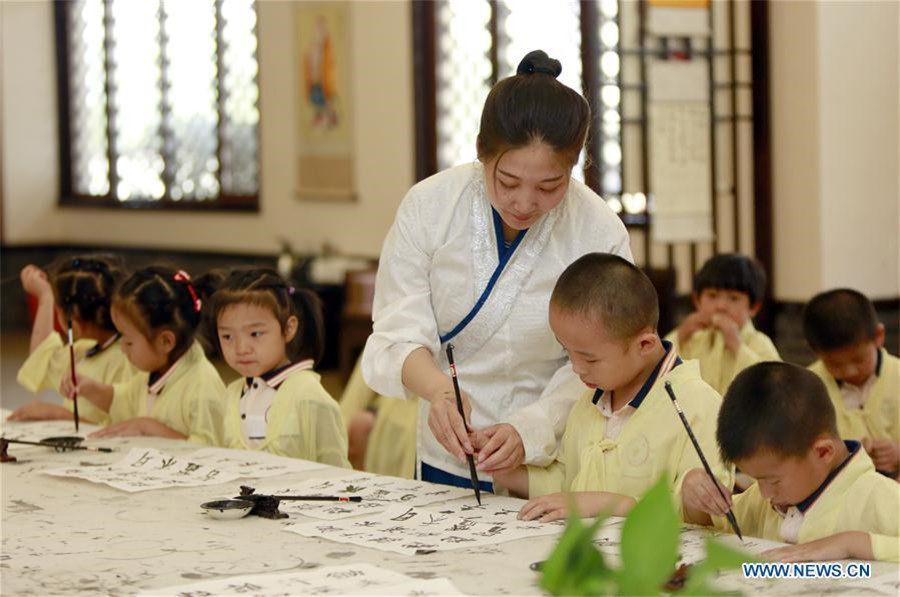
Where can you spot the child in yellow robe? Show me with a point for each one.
(179, 394)
(272, 334)
(381, 431)
(77, 290)
(812, 488)
(728, 293)
(624, 432)
(862, 378)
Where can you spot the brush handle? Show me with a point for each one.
(729, 515)
(74, 378)
(473, 473)
(315, 498)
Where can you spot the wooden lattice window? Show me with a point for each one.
(158, 103)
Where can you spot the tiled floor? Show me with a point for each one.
(14, 349)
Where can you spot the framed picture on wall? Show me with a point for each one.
(324, 107)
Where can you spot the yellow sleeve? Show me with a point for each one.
(329, 433)
(312, 427)
(885, 548)
(88, 411)
(109, 367)
(126, 399)
(756, 349)
(391, 449)
(357, 395)
(207, 404)
(750, 510)
(232, 435)
(546, 479)
(881, 516)
(558, 475)
(45, 366)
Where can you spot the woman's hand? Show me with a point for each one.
(447, 425)
(499, 448)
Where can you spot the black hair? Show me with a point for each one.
(83, 287)
(533, 106)
(159, 298)
(733, 271)
(774, 406)
(839, 318)
(266, 288)
(608, 288)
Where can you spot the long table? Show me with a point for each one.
(63, 536)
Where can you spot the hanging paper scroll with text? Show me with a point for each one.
(679, 139)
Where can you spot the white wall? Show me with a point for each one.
(834, 81)
(795, 149)
(860, 199)
(381, 51)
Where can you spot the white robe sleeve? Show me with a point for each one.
(403, 317)
(541, 424)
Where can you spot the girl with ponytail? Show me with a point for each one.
(272, 334)
(179, 394)
(76, 291)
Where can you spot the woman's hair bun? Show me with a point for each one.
(537, 61)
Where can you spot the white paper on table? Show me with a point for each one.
(252, 464)
(693, 543)
(378, 493)
(350, 579)
(409, 530)
(680, 154)
(35, 431)
(144, 469)
(493, 508)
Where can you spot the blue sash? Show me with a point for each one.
(504, 254)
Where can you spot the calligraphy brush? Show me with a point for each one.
(74, 378)
(57, 446)
(729, 515)
(473, 474)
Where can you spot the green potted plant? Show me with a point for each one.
(649, 550)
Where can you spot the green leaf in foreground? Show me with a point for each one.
(649, 542)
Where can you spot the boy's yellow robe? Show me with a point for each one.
(192, 401)
(879, 418)
(652, 442)
(304, 421)
(718, 366)
(857, 499)
(49, 362)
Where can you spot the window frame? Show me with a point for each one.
(69, 198)
(425, 89)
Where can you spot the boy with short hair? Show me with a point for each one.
(728, 293)
(862, 379)
(624, 432)
(813, 489)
